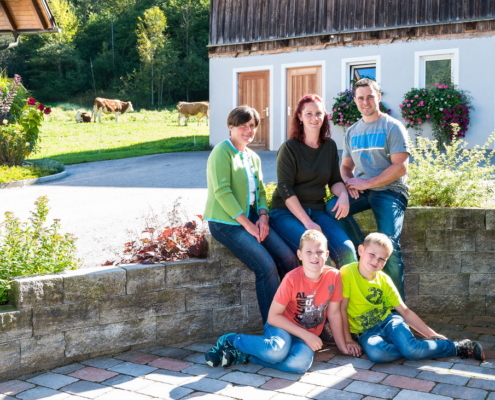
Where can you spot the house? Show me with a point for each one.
(268, 53)
(19, 17)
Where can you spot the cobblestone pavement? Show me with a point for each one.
(179, 372)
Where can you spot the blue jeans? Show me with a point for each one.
(264, 259)
(276, 349)
(389, 209)
(392, 340)
(291, 229)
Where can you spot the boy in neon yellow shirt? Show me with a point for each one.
(378, 317)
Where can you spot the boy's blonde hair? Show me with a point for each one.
(380, 240)
(315, 235)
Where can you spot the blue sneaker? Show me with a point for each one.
(213, 356)
(233, 356)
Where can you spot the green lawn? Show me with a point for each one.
(137, 134)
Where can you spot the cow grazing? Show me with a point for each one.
(199, 109)
(83, 116)
(110, 106)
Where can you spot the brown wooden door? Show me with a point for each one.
(254, 91)
(301, 81)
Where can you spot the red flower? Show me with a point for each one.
(41, 107)
(48, 110)
(31, 101)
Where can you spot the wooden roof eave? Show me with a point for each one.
(349, 31)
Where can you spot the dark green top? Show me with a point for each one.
(304, 172)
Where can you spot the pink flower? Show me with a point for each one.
(48, 110)
(401, 105)
(412, 112)
(41, 107)
(416, 96)
(427, 116)
(31, 101)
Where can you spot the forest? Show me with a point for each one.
(152, 52)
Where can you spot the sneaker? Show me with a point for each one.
(470, 349)
(233, 356)
(326, 334)
(213, 356)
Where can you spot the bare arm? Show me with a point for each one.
(335, 319)
(347, 173)
(352, 346)
(277, 319)
(342, 204)
(389, 175)
(249, 226)
(295, 208)
(414, 321)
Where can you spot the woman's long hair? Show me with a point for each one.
(297, 128)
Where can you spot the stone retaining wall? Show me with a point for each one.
(57, 319)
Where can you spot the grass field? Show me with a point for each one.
(136, 134)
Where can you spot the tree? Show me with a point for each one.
(151, 40)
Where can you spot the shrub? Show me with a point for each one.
(345, 111)
(443, 105)
(32, 248)
(456, 177)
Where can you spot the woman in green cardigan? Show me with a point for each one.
(236, 208)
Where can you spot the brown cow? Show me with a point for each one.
(110, 106)
(200, 109)
(83, 116)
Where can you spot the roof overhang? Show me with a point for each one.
(19, 17)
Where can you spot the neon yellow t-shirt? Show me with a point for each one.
(370, 302)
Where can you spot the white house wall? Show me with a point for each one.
(397, 74)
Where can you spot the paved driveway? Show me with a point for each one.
(102, 202)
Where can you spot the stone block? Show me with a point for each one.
(224, 295)
(94, 283)
(443, 284)
(218, 252)
(468, 218)
(15, 325)
(10, 357)
(447, 305)
(366, 221)
(231, 319)
(455, 240)
(490, 306)
(485, 241)
(170, 301)
(254, 321)
(64, 317)
(247, 275)
(40, 352)
(184, 326)
(411, 284)
(144, 278)
(490, 220)
(188, 273)
(32, 291)
(479, 262)
(423, 218)
(411, 241)
(126, 308)
(248, 293)
(482, 284)
(108, 337)
(438, 262)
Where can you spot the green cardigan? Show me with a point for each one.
(228, 185)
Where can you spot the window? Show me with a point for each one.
(438, 66)
(354, 69)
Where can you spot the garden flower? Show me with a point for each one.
(41, 107)
(48, 110)
(31, 101)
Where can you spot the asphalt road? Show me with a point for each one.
(106, 203)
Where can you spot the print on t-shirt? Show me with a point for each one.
(308, 315)
(374, 316)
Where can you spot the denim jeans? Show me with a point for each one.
(291, 229)
(389, 209)
(392, 340)
(264, 259)
(276, 349)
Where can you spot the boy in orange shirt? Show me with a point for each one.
(306, 297)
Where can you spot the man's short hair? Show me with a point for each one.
(314, 235)
(365, 82)
(379, 239)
